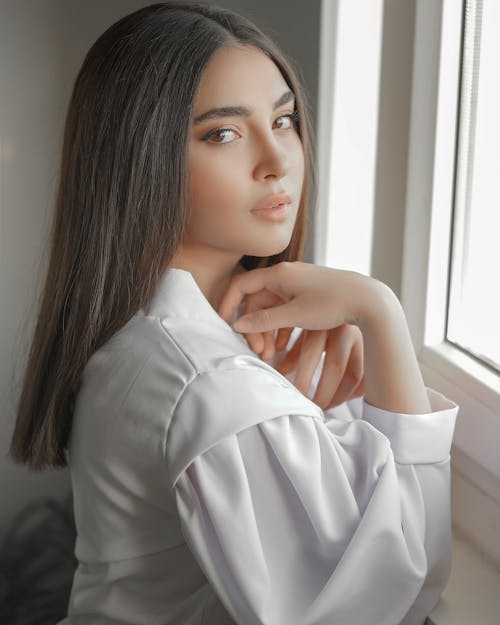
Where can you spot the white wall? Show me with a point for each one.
(31, 109)
(42, 45)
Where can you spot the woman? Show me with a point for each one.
(208, 488)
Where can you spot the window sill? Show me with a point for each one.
(472, 593)
(478, 423)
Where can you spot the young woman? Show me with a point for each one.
(209, 488)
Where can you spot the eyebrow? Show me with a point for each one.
(239, 111)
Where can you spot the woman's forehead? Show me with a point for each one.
(239, 75)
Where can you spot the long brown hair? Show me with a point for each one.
(120, 209)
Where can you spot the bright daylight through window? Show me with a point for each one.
(474, 302)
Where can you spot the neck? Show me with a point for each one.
(212, 272)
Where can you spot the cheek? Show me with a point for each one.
(297, 159)
(216, 186)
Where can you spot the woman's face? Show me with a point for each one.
(257, 153)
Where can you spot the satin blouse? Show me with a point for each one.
(208, 490)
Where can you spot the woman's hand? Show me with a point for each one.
(262, 343)
(308, 296)
(322, 298)
(342, 376)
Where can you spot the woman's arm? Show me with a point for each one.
(393, 380)
(300, 521)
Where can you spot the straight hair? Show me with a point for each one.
(120, 208)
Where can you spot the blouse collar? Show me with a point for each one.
(178, 295)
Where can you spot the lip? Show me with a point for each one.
(277, 213)
(274, 200)
(274, 207)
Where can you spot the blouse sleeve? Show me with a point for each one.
(305, 521)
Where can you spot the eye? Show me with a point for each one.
(221, 133)
(292, 120)
(218, 132)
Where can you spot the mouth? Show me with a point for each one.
(275, 207)
(272, 213)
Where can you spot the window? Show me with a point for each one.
(474, 302)
(450, 258)
(449, 271)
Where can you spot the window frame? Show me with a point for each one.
(433, 140)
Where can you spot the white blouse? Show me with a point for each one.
(208, 490)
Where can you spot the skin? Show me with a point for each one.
(231, 172)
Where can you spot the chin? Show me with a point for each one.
(267, 248)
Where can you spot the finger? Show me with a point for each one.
(255, 339)
(310, 355)
(246, 283)
(266, 319)
(339, 344)
(359, 391)
(290, 361)
(283, 338)
(353, 377)
(261, 342)
(347, 385)
(269, 347)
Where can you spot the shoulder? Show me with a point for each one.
(239, 393)
(134, 378)
(142, 344)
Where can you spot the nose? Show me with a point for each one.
(272, 160)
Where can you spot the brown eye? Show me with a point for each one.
(288, 123)
(292, 120)
(218, 132)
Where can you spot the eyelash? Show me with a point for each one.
(294, 117)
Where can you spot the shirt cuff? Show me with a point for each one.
(417, 438)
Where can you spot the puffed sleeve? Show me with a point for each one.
(303, 520)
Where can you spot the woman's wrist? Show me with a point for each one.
(393, 380)
(374, 302)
